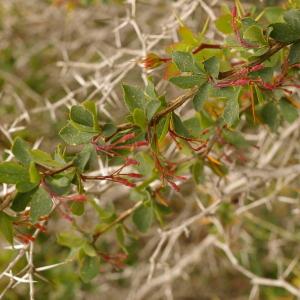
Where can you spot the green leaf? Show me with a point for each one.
(77, 208)
(60, 184)
(259, 51)
(254, 33)
(288, 111)
(179, 127)
(146, 164)
(108, 129)
(89, 250)
(186, 82)
(34, 174)
(21, 151)
(187, 36)
(59, 153)
(180, 46)
(40, 204)
(89, 268)
(259, 95)
(265, 74)
(106, 215)
(140, 119)
(212, 66)
(223, 24)
(11, 172)
(198, 171)
(6, 227)
(269, 115)
(43, 158)
(134, 97)
(292, 18)
(143, 218)
(160, 211)
(162, 128)
(204, 119)
(184, 61)
(70, 240)
(26, 185)
(201, 96)
(282, 32)
(91, 107)
(226, 92)
(290, 31)
(21, 200)
(294, 55)
(247, 22)
(150, 92)
(84, 128)
(74, 136)
(226, 213)
(232, 109)
(83, 157)
(120, 233)
(274, 14)
(235, 138)
(81, 116)
(79, 184)
(151, 108)
(140, 194)
(193, 125)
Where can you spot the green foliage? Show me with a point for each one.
(34, 175)
(254, 33)
(74, 134)
(235, 139)
(232, 108)
(21, 151)
(21, 200)
(274, 14)
(212, 66)
(184, 61)
(60, 184)
(82, 116)
(83, 157)
(44, 159)
(288, 111)
(269, 115)
(179, 127)
(78, 208)
(82, 126)
(289, 31)
(187, 82)
(223, 24)
(89, 268)
(294, 55)
(143, 217)
(198, 172)
(40, 204)
(251, 77)
(134, 97)
(6, 227)
(11, 172)
(70, 240)
(201, 96)
(140, 119)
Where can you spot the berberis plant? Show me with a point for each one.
(249, 80)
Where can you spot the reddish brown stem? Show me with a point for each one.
(51, 172)
(206, 46)
(195, 51)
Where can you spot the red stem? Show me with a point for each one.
(206, 46)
